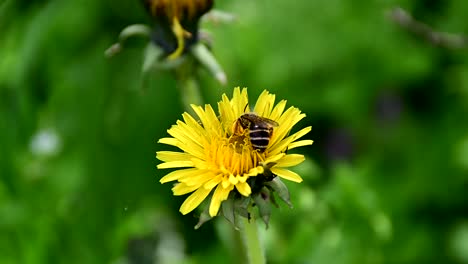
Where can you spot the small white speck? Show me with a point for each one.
(46, 142)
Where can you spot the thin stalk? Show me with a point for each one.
(187, 82)
(190, 92)
(251, 242)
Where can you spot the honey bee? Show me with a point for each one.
(260, 129)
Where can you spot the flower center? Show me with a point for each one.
(233, 155)
(239, 142)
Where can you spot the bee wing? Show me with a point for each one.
(254, 118)
(271, 122)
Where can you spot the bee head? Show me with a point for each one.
(244, 121)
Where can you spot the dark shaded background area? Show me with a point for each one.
(384, 182)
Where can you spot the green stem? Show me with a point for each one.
(190, 92)
(251, 242)
(188, 84)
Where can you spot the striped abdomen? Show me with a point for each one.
(260, 137)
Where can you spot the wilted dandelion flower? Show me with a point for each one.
(176, 21)
(176, 42)
(216, 159)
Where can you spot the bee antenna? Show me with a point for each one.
(245, 108)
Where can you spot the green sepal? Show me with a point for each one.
(235, 207)
(227, 209)
(209, 61)
(241, 206)
(129, 31)
(262, 201)
(204, 216)
(281, 189)
(150, 57)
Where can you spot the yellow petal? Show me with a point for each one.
(278, 110)
(239, 101)
(175, 164)
(194, 200)
(264, 104)
(220, 194)
(225, 183)
(274, 158)
(244, 188)
(286, 123)
(169, 141)
(187, 141)
(198, 179)
(291, 116)
(286, 174)
(212, 118)
(209, 119)
(182, 188)
(201, 114)
(189, 132)
(255, 171)
(201, 164)
(194, 150)
(300, 143)
(195, 126)
(290, 160)
(243, 178)
(213, 182)
(287, 120)
(172, 156)
(175, 175)
(226, 113)
(233, 180)
(189, 120)
(283, 144)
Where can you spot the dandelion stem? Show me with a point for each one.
(251, 242)
(190, 92)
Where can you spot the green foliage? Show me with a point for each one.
(385, 181)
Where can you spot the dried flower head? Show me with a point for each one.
(222, 154)
(176, 21)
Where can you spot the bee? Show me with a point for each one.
(260, 129)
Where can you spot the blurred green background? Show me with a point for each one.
(386, 180)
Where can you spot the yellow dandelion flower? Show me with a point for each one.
(217, 159)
